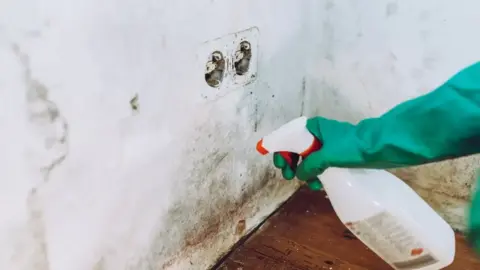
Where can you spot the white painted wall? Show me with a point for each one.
(89, 184)
(372, 55)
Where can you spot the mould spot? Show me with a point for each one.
(393, 57)
(44, 117)
(241, 226)
(328, 262)
(329, 57)
(329, 5)
(134, 103)
(255, 123)
(36, 224)
(208, 230)
(52, 128)
(205, 210)
(303, 93)
(391, 9)
(347, 234)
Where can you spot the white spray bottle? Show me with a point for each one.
(380, 209)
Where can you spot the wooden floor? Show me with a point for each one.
(306, 234)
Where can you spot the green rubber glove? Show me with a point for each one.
(288, 170)
(442, 124)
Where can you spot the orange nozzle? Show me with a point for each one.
(260, 148)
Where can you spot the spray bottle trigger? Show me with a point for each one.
(315, 146)
(289, 158)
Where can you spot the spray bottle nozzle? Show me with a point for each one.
(261, 149)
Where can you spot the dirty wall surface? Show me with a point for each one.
(117, 154)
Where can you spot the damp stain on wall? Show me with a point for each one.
(446, 186)
(49, 125)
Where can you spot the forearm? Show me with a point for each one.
(440, 125)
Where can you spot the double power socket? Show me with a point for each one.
(230, 62)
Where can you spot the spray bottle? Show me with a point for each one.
(378, 208)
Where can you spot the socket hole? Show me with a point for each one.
(215, 69)
(242, 58)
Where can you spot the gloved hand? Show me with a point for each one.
(333, 133)
(288, 169)
(441, 125)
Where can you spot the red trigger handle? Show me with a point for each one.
(288, 156)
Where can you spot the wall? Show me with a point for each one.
(372, 55)
(111, 157)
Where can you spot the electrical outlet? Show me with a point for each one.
(228, 63)
(245, 57)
